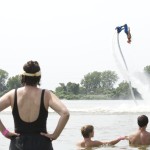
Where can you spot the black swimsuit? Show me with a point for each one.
(30, 138)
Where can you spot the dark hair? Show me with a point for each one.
(142, 121)
(86, 130)
(31, 67)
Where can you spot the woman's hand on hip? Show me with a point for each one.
(11, 134)
(50, 136)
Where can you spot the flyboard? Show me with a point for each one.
(127, 32)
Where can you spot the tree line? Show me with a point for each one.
(94, 85)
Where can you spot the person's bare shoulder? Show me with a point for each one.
(134, 138)
(147, 136)
(132, 135)
(148, 133)
(96, 143)
(80, 144)
(7, 99)
(50, 95)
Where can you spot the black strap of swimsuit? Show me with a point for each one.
(15, 101)
(42, 98)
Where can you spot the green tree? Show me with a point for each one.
(82, 90)
(147, 70)
(14, 82)
(96, 82)
(72, 88)
(61, 90)
(123, 91)
(3, 78)
(91, 82)
(108, 79)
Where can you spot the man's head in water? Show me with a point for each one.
(87, 131)
(142, 121)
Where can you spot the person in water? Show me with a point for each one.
(140, 137)
(30, 106)
(87, 132)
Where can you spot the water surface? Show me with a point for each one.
(111, 119)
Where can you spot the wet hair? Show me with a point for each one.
(142, 121)
(31, 67)
(86, 130)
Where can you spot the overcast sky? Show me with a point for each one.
(70, 38)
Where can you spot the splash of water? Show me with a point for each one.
(126, 67)
(141, 81)
(129, 81)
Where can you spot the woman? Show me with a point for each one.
(30, 111)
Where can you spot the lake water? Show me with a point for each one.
(111, 119)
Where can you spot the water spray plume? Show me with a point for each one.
(127, 32)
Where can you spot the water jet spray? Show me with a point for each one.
(127, 31)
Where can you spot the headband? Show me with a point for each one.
(32, 74)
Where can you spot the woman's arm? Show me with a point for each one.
(5, 101)
(62, 110)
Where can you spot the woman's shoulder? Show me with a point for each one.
(8, 97)
(49, 92)
(10, 93)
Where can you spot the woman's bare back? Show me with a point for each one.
(28, 102)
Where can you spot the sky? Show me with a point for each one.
(71, 38)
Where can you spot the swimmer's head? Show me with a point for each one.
(142, 121)
(87, 131)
